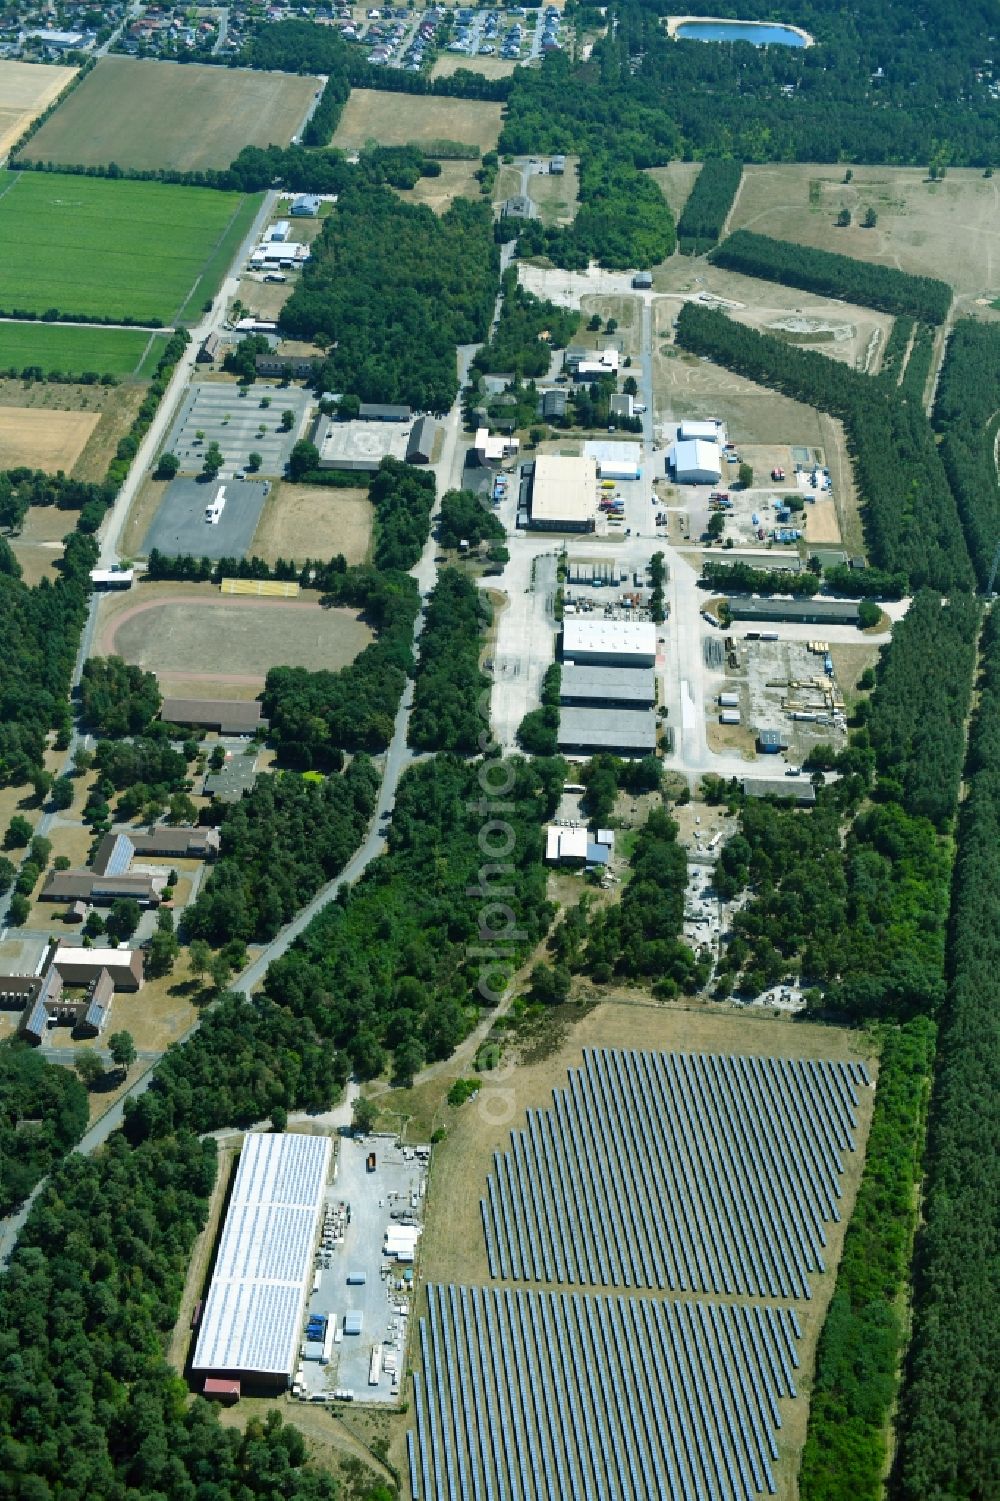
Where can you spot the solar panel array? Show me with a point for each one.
(121, 856)
(686, 1172)
(254, 1309)
(569, 1397)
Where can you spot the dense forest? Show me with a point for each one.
(394, 288)
(403, 498)
(464, 518)
(950, 1426)
(449, 688)
(89, 1406)
(43, 1111)
(861, 1342)
(832, 275)
(966, 411)
(516, 346)
(116, 698)
(710, 200)
(395, 972)
(280, 843)
(911, 520)
(623, 219)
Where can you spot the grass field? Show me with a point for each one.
(557, 196)
(675, 182)
(306, 521)
(98, 248)
(76, 350)
(457, 180)
(26, 89)
(44, 440)
(489, 67)
(186, 117)
(398, 119)
(947, 229)
(166, 627)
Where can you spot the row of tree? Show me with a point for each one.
(448, 694)
(743, 578)
(911, 519)
(21, 488)
(965, 415)
(832, 275)
(708, 203)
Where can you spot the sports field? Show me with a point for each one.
(186, 117)
(399, 119)
(96, 248)
(26, 89)
(75, 350)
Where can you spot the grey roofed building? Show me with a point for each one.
(624, 732)
(116, 851)
(228, 716)
(236, 776)
(378, 411)
(815, 611)
(607, 687)
(557, 165)
(771, 742)
(520, 206)
(799, 788)
(420, 448)
(552, 404)
(88, 886)
(642, 280)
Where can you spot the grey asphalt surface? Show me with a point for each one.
(179, 526)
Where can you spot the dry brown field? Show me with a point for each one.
(675, 182)
(489, 67)
(399, 119)
(457, 180)
(26, 91)
(145, 115)
(38, 545)
(948, 229)
(114, 406)
(557, 196)
(203, 644)
(306, 521)
(43, 440)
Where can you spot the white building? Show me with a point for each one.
(710, 431)
(695, 461)
(564, 846)
(609, 643)
(278, 253)
(564, 493)
(593, 363)
(615, 460)
(491, 448)
(252, 1325)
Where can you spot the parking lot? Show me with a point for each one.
(180, 525)
(356, 1277)
(242, 421)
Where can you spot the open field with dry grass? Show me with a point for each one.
(144, 115)
(398, 119)
(26, 91)
(948, 229)
(675, 182)
(489, 67)
(196, 641)
(43, 440)
(38, 546)
(556, 194)
(115, 407)
(306, 521)
(453, 1249)
(457, 180)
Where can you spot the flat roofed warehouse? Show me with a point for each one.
(253, 1320)
(564, 493)
(607, 687)
(609, 643)
(623, 732)
(816, 611)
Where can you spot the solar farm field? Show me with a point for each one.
(146, 115)
(94, 248)
(75, 350)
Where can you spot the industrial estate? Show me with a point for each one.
(499, 783)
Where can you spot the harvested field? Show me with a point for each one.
(38, 546)
(675, 182)
(305, 521)
(556, 194)
(48, 440)
(398, 119)
(197, 642)
(457, 180)
(947, 229)
(26, 91)
(98, 248)
(76, 350)
(117, 415)
(146, 115)
(489, 67)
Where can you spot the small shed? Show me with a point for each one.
(353, 1322)
(770, 742)
(642, 281)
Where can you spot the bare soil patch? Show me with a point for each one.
(38, 546)
(398, 119)
(265, 300)
(822, 523)
(43, 440)
(26, 91)
(949, 229)
(306, 521)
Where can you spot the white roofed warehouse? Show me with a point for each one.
(564, 493)
(609, 643)
(695, 461)
(252, 1324)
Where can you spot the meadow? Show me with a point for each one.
(96, 248)
(74, 350)
(146, 115)
(404, 119)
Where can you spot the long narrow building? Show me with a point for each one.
(254, 1313)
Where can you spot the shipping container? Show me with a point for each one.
(370, 1164)
(730, 716)
(729, 700)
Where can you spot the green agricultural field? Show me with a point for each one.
(78, 350)
(102, 248)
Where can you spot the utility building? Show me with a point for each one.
(616, 460)
(252, 1325)
(815, 611)
(695, 461)
(709, 431)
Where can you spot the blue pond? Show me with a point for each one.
(760, 34)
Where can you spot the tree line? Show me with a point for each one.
(709, 201)
(832, 275)
(965, 416)
(911, 520)
(950, 1424)
(450, 685)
